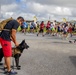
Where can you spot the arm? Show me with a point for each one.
(13, 36)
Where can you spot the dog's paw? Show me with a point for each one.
(18, 68)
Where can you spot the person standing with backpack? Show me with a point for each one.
(8, 34)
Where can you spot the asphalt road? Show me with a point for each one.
(48, 55)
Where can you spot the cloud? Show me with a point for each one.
(48, 9)
(43, 9)
(64, 3)
(9, 8)
(6, 2)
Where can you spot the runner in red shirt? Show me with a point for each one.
(48, 27)
(41, 30)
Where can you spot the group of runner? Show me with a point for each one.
(52, 28)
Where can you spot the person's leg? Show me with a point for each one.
(7, 51)
(42, 32)
(38, 32)
(8, 63)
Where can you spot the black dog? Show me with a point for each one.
(16, 52)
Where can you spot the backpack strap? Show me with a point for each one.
(6, 29)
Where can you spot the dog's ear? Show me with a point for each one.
(23, 41)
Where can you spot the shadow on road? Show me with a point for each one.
(73, 60)
(61, 42)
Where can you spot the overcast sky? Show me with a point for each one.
(42, 9)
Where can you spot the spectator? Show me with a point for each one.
(5, 40)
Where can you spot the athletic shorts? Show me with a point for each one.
(47, 28)
(6, 46)
(31, 28)
(53, 29)
(41, 30)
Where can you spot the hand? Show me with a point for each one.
(17, 44)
